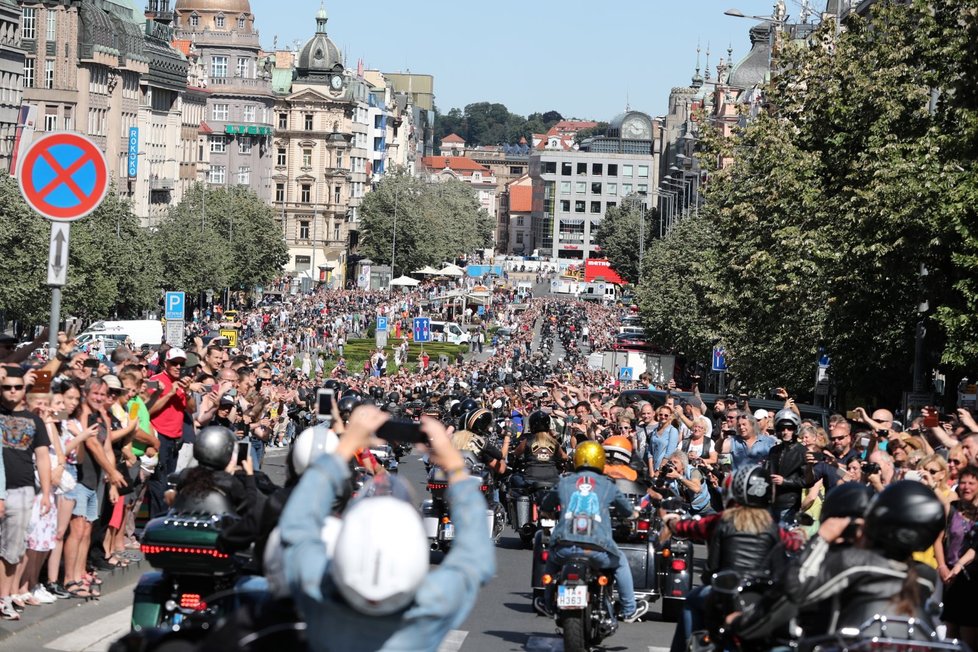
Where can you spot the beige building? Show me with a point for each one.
(11, 79)
(321, 156)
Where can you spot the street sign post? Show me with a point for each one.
(719, 365)
(380, 338)
(625, 374)
(381, 323)
(231, 334)
(174, 305)
(422, 329)
(64, 177)
(174, 332)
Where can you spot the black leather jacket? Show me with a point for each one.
(853, 584)
(788, 461)
(741, 551)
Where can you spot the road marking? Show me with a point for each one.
(95, 637)
(658, 649)
(453, 641)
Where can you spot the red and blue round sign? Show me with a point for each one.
(63, 176)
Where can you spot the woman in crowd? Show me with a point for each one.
(960, 594)
(698, 447)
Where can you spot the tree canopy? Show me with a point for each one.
(436, 222)
(488, 123)
(860, 173)
(618, 235)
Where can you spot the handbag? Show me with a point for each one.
(67, 483)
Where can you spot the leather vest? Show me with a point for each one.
(741, 551)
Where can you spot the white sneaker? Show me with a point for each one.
(41, 595)
(7, 611)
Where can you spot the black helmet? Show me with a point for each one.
(377, 393)
(214, 447)
(353, 392)
(468, 405)
(752, 486)
(478, 421)
(394, 397)
(849, 499)
(905, 517)
(331, 384)
(347, 404)
(540, 422)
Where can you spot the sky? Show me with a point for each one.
(584, 59)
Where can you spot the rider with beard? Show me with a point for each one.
(742, 538)
(786, 461)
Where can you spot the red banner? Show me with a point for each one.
(601, 267)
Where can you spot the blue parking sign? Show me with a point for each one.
(174, 305)
(422, 329)
(382, 323)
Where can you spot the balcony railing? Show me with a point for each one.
(243, 83)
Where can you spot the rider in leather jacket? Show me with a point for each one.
(539, 454)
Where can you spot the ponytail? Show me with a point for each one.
(906, 602)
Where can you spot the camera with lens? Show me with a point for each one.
(870, 468)
(661, 478)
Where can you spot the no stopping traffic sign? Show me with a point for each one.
(63, 176)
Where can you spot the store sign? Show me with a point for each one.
(247, 130)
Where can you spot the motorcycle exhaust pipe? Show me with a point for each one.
(434, 546)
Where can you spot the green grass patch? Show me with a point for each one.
(356, 351)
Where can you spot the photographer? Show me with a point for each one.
(678, 478)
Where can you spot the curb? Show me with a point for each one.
(112, 581)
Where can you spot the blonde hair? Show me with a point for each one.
(934, 458)
(752, 520)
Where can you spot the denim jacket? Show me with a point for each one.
(586, 499)
(442, 602)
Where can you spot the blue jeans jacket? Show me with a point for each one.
(442, 602)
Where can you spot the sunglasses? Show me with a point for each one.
(933, 470)
(950, 461)
(839, 438)
(10, 388)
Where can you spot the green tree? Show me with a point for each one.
(194, 256)
(618, 236)
(435, 222)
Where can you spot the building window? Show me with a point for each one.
(217, 174)
(626, 170)
(52, 25)
(626, 189)
(378, 121)
(611, 204)
(283, 120)
(378, 144)
(248, 113)
(50, 122)
(579, 206)
(280, 159)
(595, 207)
(582, 168)
(308, 122)
(219, 66)
(244, 145)
(566, 169)
(69, 120)
(307, 158)
(643, 187)
(280, 192)
(241, 22)
(303, 229)
(565, 205)
(336, 195)
(244, 175)
(565, 187)
(612, 169)
(519, 237)
(219, 144)
(28, 26)
(28, 73)
(595, 188)
(515, 169)
(242, 69)
(611, 188)
(339, 159)
(49, 73)
(519, 220)
(195, 21)
(220, 112)
(643, 172)
(597, 169)
(580, 187)
(336, 233)
(549, 167)
(219, 22)
(305, 194)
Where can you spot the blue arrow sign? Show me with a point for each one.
(422, 329)
(719, 359)
(382, 323)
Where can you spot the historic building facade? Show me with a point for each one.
(11, 79)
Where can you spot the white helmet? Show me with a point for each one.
(381, 555)
(310, 444)
(274, 565)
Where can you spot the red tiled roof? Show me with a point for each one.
(565, 126)
(453, 138)
(520, 198)
(183, 45)
(460, 164)
(205, 128)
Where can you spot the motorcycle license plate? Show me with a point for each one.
(572, 597)
(448, 531)
(547, 523)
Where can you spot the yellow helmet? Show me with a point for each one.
(589, 454)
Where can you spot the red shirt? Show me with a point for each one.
(169, 421)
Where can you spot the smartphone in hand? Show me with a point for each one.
(242, 451)
(324, 402)
(402, 430)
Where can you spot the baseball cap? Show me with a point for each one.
(112, 381)
(761, 414)
(176, 354)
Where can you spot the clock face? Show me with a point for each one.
(336, 82)
(635, 128)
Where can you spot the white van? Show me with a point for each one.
(139, 331)
(449, 331)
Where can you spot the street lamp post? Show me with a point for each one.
(641, 232)
(390, 286)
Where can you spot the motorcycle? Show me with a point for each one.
(435, 515)
(584, 604)
(524, 512)
(731, 592)
(883, 633)
(182, 548)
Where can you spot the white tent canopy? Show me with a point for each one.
(405, 281)
(452, 270)
(427, 270)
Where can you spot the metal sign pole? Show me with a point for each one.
(57, 277)
(55, 321)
